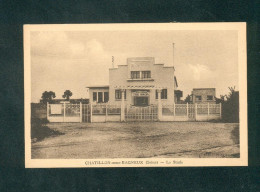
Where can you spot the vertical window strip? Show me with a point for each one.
(94, 96)
(163, 94)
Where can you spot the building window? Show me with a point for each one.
(100, 97)
(135, 74)
(106, 97)
(198, 98)
(163, 94)
(94, 96)
(146, 74)
(209, 97)
(118, 94)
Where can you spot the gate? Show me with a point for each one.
(148, 113)
(86, 113)
(191, 111)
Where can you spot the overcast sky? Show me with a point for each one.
(73, 60)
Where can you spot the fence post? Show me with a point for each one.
(196, 111)
(64, 111)
(122, 105)
(48, 111)
(90, 106)
(173, 109)
(220, 110)
(80, 112)
(159, 105)
(106, 113)
(208, 112)
(187, 109)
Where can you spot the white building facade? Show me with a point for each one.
(141, 82)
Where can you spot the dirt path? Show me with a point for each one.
(134, 140)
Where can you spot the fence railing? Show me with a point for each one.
(104, 109)
(190, 109)
(148, 113)
(67, 112)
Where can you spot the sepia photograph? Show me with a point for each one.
(135, 95)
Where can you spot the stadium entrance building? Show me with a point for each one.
(141, 82)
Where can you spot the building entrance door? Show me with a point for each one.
(141, 101)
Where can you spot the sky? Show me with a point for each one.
(73, 60)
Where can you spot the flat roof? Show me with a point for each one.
(98, 87)
(202, 88)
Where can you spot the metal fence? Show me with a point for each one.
(148, 113)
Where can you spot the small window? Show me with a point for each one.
(100, 97)
(135, 74)
(94, 96)
(146, 74)
(198, 98)
(106, 97)
(118, 94)
(163, 94)
(209, 97)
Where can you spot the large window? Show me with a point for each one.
(140, 74)
(135, 74)
(146, 74)
(118, 94)
(163, 94)
(100, 97)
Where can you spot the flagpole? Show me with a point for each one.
(113, 61)
(173, 54)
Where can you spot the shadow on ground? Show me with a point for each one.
(40, 131)
(235, 134)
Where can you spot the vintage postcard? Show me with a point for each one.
(135, 95)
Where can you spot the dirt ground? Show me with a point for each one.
(139, 140)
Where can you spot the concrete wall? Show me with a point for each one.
(207, 117)
(104, 118)
(60, 119)
(175, 118)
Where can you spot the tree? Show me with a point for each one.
(188, 99)
(67, 94)
(230, 105)
(47, 96)
(221, 99)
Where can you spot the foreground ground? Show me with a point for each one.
(139, 140)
